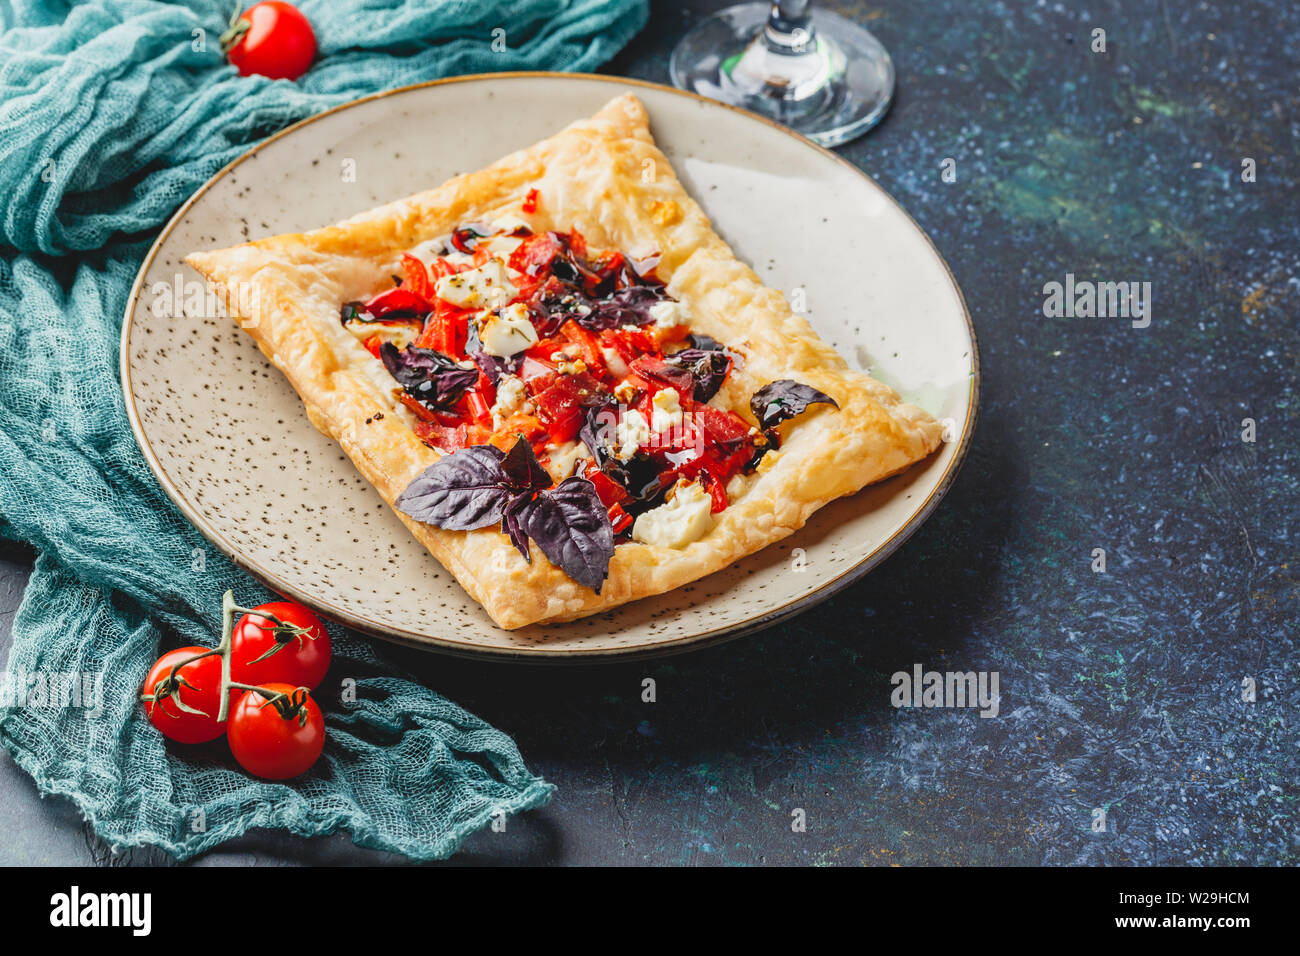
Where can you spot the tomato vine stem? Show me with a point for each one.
(228, 611)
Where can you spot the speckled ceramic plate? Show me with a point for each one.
(206, 406)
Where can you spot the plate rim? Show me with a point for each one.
(543, 654)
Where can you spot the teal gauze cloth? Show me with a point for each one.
(112, 112)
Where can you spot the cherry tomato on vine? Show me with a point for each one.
(272, 39)
(296, 651)
(276, 739)
(198, 686)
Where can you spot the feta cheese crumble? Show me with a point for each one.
(675, 524)
(667, 410)
(668, 314)
(507, 332)
(632, 432)
(488, 286)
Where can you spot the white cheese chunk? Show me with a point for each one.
(667, 410)
(688, 517)
(565, 457)
(511, 397)
(507, 332)
(668, 314)
(488, 286)
(632, 432)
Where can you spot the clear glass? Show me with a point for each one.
(812, 70)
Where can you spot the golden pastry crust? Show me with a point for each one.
(605, 177)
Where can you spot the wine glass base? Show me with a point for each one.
(834, 88)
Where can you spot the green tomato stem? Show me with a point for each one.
(227, 630)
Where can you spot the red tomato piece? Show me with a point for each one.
(276, 739)
(536, 372)
(451, 437)
(529, 205)
(722, 426)
(535, 254)
(198, 684)
(440, 268)
(561, 404)
(655, 369)
(296, 652)
(629, 344)
(271, 39)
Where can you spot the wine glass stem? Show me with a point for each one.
(789, 26)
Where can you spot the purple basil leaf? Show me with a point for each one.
(783, 399)
(630, 306)
(463, 491)
(571, 526)
(705, 343)
(709, 368)
(433, 379)
(412, 365)
(510, 525)
(523, 473)
(557, 305)
(493, 366)
(597, 431)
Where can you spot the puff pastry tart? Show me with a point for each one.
(562, 379)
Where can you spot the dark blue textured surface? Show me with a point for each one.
(1120, 690)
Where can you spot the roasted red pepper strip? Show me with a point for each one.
(449, 437)
(586, 342)
(610, 491)
(620, 519)
(445, 331)
(480, 401)
(422, 413)
(415, 277)
(398, 300)
(714, 487)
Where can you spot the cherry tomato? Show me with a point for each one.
(276, 740)
(199, 686)
(296, 653)
(272, 39)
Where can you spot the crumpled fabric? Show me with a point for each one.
(112, 113)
